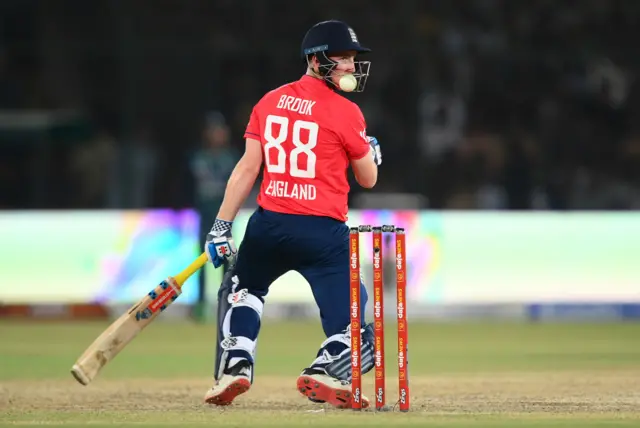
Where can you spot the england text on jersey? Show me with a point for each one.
(283, 189)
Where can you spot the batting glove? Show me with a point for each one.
(219, 245)
(375, 150)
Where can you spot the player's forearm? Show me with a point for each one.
(365, 171)
(367, 180)
(238, 188)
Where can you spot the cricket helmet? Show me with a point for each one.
(328, 37)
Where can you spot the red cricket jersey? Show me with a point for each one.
(309, 133)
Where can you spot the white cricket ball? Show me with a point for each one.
(348, 83)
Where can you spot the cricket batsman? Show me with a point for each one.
(305, 135)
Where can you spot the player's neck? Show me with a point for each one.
(315, 75)
(312, 73)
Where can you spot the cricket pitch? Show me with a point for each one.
(453, 384)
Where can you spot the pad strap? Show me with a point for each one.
(244, 298)
(240, 343)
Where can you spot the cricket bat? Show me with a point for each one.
(126, 328)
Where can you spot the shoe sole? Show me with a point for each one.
(226, 397)
(318, 391)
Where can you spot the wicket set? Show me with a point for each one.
(378, 316)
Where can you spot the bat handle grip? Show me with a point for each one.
(182, 277)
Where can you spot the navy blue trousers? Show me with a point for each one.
(316, 247)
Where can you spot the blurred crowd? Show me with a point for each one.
(477, 104)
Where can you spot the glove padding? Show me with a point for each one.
(375, 150)
(219, 245)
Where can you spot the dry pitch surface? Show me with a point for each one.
(472, 395)
(569, 399)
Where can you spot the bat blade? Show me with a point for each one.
(123, 330)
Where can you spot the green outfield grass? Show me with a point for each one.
(478, 375)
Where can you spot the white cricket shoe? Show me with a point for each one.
(235, 381)
(319, 387)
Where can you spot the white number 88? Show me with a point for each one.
(300, 147)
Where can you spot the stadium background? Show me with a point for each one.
(511, 146)
(509, 131)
